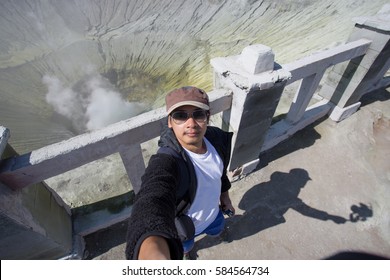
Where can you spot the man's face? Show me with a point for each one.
(189, 132)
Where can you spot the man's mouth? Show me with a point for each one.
(192, 133)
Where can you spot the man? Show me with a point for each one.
(205, 153)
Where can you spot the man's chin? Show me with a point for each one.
(193, 140)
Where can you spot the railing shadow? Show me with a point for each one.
(104, 240)
(85, 218)
(376, 95)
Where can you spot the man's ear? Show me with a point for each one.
(169, 122)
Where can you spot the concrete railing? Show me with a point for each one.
(124, 137)
(310, 70)
(248, 88)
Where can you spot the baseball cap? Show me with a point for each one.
(186, 96)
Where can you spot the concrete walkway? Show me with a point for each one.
(324, 191)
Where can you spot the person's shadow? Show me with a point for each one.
(266, 203)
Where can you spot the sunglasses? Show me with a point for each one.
(180, 117)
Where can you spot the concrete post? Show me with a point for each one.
(36, 223)
(4, 136)
(349, 81)
(257, 87)
(134, 163)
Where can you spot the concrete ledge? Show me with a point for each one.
(243, 170)
(282, 130)
(4, 136)
(338, 114)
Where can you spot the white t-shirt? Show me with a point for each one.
(208, 169)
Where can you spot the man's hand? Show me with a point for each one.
(154, 248)
(337, 219)
(226, 203)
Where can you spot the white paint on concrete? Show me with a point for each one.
(338, 114)
(257, 59)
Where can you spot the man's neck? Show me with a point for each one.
(201, 149)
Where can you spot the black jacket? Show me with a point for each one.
(154, 207)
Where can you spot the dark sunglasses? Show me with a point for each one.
(180, 117)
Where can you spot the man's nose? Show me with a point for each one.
(191, 122)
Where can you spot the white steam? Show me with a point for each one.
(93, 105)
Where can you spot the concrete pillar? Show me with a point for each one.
(134, 163)
(257, 86)
(4, 136)
(35, 222)
(349, 81)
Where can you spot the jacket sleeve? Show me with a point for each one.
(154, 207)
(222, 142)
(226, 184)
